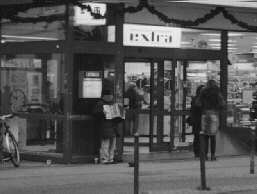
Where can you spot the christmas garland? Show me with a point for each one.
(187, 23)
(11, 12)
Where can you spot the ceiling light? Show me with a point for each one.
(186, 42)
(218, 34)
(235, 34)
(214, 40)
(214, 45)
(218, 40)
(29, 37)
(230, 41)
(210, 34)
(232, 48)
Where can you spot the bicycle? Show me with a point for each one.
(8, 143)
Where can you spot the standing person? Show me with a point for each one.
(196, 114)
(135, 103)
(107, 129)
(211, 102)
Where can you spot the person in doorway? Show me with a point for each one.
(107, 128)
(211, 102)
(195, 121)
(135, 102)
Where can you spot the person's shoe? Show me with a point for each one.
(113, 162)
(105, 162)
(213, 158)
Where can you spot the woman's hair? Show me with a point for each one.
(210, 92)
(198, 90)
(132, 85)
(211, 84)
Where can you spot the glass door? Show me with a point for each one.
(169, 105)
(173, 84)
(161, 105)
(166, 88)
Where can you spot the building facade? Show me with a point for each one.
(57, 57)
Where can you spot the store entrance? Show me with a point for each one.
(166, 88)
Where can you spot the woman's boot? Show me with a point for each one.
(213, 158)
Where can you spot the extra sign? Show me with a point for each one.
(151, 36)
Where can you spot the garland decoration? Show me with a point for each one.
(187, 23)
(89, 9)
(49, 19)
(10, 12)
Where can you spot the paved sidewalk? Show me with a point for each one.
(227, 175)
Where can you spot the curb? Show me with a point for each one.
(213, 190)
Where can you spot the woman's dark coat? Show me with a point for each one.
(196, 113)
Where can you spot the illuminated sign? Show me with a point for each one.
(83, 17)
(90, 84)
(151, 36)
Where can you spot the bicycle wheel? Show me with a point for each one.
(13, 149)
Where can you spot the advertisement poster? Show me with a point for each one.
(52, 78)
(34, 87)
(90, 84)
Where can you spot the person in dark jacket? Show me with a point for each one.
(211, 102)
(135, 102)
(196, 114)
(107, 128)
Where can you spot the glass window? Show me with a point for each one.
(35, 31)
(200, 39)
(139, 74)
(34, 84)
(242, 82)
(198, 72)
(88, 28)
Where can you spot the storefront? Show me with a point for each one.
(55, 60)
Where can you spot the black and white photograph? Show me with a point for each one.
(128, 96)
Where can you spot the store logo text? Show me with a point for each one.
(151, 37)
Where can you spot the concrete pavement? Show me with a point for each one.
(227, 175)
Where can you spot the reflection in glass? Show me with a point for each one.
(137, 74)
(179, 86)
(199, 39)
(198, 72)
(167, 84)
(88, 28)
(35, 31)
(33, 84)
(178, 125)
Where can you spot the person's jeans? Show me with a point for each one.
(108, 147)
(132, 118)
